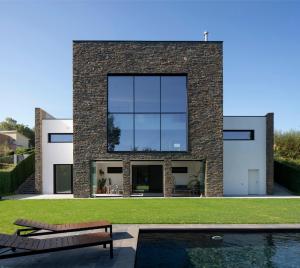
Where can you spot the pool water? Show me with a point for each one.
(215, 249)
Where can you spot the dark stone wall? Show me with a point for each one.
(270, 152)
(40, 114)
(203, 64)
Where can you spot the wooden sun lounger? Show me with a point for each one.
(22, 246)
(35, 226)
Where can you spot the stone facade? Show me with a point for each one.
(270, 152)
(202, 62)
(40, 114)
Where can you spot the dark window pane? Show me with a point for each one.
(120, 132)
(120, 93)
(147, 93)
(60, 137)
(63, 179)
(173, 94)
(238, 134)
(173, 132)
(114, 170)
(147, 136)
(179, 170)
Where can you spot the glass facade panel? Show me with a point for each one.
(147, 93)
(147, 132)
(173, 94)
(147, 113)
(63, 179)
(120, 94)
(120, 132)
(173, 132)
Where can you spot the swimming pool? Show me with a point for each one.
(218, 249)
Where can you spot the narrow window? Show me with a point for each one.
(238, 134)
(179, 170)
(114, 170)
(60, 137)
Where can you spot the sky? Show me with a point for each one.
(261, 49)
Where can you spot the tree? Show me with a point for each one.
(12, 124)
(113, 133)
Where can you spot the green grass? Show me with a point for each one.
(177, 210)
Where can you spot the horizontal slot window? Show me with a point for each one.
(60, 137)
(114, 170)
(238, 134)
(179, 170)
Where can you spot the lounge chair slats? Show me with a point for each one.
(63, 227)
(55, 242)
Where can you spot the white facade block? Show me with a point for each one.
(241, 157)
(54, 153)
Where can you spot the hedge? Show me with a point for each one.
(11, 180)
(287, 176)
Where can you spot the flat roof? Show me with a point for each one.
(145, 41)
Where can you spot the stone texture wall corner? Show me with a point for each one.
(38, 150)
(40, 114)
(270, 152)
(168, 178)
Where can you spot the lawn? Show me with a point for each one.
(179, 210)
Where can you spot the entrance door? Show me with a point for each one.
(253, 181)
(147, 178)
(63, 179)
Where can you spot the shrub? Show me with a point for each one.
(21, 150)
(287, 174)
(287, 144)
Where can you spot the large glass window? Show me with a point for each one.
(120, 94)
(147, 132)
(120, 132)
(63, 176)
(173, 132)
(147, 113)
(173, 94)
(147, 94)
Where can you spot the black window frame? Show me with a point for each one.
(114, 170)
(160, 112)
(251, 131)
(54, 177)
(58, 134)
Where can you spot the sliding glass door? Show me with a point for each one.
(63, 179)
(147, 178)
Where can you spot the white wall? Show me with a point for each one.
(54, 153)
(240, 156)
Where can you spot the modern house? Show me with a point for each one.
(15, 139)
(148, 119)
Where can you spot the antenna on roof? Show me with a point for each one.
(205, 36)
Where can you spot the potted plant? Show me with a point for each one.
(101, 189)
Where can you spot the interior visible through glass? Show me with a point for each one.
(63, 179)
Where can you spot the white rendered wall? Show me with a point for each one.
(240, 156)
(54, 153)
